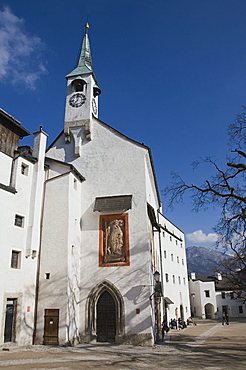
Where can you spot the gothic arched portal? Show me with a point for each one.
(105, 314)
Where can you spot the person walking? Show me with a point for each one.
(164, 330)
(223, 319)
(227, 319)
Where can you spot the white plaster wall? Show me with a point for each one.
(112, 165)
(57, 169)
(36, 196)
(195, 298)
(53, 291)
(151, 194)
(200, 300)
(174, 264)
(232, 304)
(212, 299)
(17, 283)
(74, 246)
(6, 162)
(61, 242)
(152, 199)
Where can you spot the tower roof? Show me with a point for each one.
(84, 64)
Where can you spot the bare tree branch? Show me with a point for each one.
(226, 189)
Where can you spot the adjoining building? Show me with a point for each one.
(94, 248)
(213, 297)
(174, 271)
(21, 196)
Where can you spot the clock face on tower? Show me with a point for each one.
(94, 106)
(77, 100)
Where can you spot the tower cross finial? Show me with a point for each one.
(87, 26)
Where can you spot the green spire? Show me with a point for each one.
(84, 65)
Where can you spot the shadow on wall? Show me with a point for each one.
(134, 293)
(66, 152)
(69, 293)
(61, 292)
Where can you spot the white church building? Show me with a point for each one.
(86, 253)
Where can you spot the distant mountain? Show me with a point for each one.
(204, 260)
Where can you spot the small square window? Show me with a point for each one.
(207, 293)
(47, 275)
(15, 259)
(19, 221)
(24, 169)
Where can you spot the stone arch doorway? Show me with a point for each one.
(209, 311)
(105, 314)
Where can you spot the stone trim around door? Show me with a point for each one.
(91, 305)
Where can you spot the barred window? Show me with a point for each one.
(15, 259)
(19, 221)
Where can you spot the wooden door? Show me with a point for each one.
(10, 320)
(51, 326)
(106, 318)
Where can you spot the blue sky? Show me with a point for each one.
(172, 74)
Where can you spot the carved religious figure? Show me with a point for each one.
(114, 244)
(115, 237)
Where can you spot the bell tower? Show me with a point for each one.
(82, 94)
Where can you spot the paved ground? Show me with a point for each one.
(209, 345)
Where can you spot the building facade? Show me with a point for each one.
(99, 245)
(174, 271)
(213, 297)
(21, 192)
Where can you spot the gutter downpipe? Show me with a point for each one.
(162, 274)
(38, 270)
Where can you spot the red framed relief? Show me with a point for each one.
(114, 240)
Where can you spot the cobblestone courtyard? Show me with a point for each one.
(209, 345)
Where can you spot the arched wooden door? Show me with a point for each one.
(106, 318)
(209, 311)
